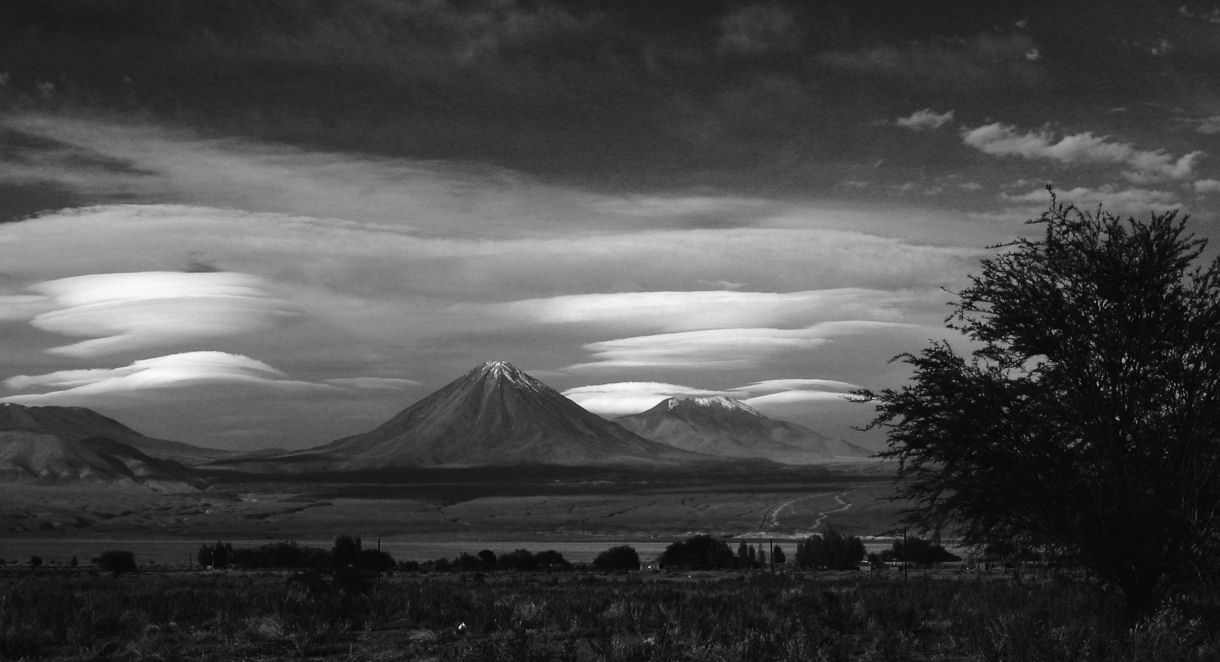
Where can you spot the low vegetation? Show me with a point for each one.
(353, 614)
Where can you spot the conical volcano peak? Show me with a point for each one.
(495, 415)
(498, 368)
(503, 372)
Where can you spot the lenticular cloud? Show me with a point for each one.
(174, 370)
(127, 311)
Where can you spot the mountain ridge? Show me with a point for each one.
(46, 457)
(78, 423)
(719, 425)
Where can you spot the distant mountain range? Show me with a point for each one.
(77, 423)
(71, 444)
(728, 428)
(493, 416)
(27, 455)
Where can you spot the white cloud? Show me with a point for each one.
(1144, 166)
(708, 309)
(172, 371)
(784, 385)
(709, 349)
(925, 119)
(718, 348)
(624, 398)
(384, 264)
(1113, 199)
(796, 397)
(1207, 186)
(125, 311)
(775, 392)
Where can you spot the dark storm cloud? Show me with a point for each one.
(631, 94)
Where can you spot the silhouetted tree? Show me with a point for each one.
(551, 560)
(283, 554)
(518, 559)
(345, 550)
(487, 560)
(778, 557)
(830, 549)
(622, 557)
(216, 556)
(918, 552)
(117, 561)
(701, 552)
(35, 561)
(373, 559)
(1086, 421)
(465, 562)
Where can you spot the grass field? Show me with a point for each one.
(580, 616)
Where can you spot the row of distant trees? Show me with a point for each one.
(487, 560)
(117, 561)
(346, 551)
(827, 550)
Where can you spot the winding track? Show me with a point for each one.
(827, 513)
(770, 517)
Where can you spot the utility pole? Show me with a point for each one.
(906, 554)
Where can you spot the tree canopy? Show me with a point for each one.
(830, 549)
(1085, 419)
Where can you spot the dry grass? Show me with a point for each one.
(580, 616)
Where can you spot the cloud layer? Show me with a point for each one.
(128, 311)
(140, 377)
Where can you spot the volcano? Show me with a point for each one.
(725, 427)
(494, 415)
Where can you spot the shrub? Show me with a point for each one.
(623, 557)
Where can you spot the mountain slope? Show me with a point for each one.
(728, 428)
(77, 423)
(494, 415)
(43, 456)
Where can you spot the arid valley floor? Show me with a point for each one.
(442, 509)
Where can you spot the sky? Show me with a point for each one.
(274, 223)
